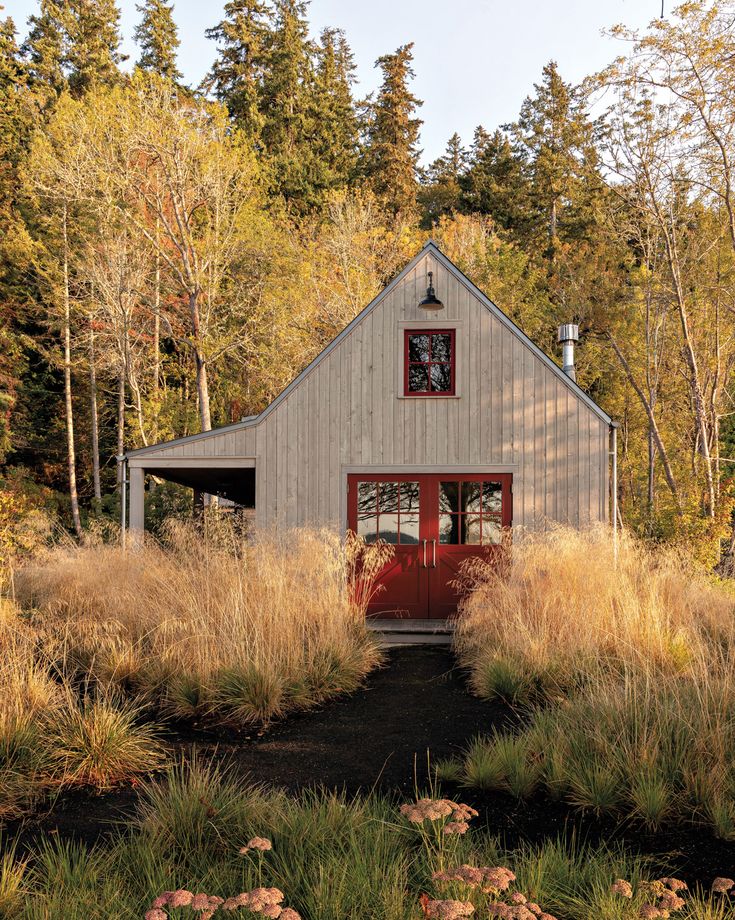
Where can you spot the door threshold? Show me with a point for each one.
(411, 626)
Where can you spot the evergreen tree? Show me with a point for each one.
(391, 156)
(236, 76)
(74, 43)
(335, 142)
(495, 183)
(555, 138)
(441, 190)
(92, 43)
(16, 122)
(43, 50)
(286, 105)
(158, 39)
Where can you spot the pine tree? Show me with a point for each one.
(287, 107)
(335, 142)
(441, 191)
(391, 156)
(43, 50)
(93, 54)
(495, 183)
(16, 122)
(237, 74)
(157, 36)
(555, 138)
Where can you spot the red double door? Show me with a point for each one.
(434, 522)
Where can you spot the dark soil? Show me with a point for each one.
(414, 711)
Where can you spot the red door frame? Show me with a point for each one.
(416, 582)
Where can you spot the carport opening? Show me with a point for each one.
(235, 489)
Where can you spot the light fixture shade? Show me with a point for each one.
(431, 301)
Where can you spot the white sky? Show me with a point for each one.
(475, 60)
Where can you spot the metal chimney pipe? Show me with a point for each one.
(568, 336)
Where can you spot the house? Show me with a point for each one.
(431, 422)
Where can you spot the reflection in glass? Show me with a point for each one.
(471, 496)
(441, 378)
(410, 528)
(367, 527)
(449, 528)
(418, 378)
(367, 496)
(388, 500)
(388, 529)
(492, 497)
(471, 531)
(441, 347)
(418, 348)
(409, 496)
(449, 496)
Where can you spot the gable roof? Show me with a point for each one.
(432, 249)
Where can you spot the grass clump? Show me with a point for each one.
(206, 624)
(628, 675)
(53, 735)
(322, 856)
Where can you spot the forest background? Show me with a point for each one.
(172, 256)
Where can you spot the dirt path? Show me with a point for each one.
(379, 738)
(417, 705)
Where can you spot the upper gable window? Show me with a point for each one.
(429, 362)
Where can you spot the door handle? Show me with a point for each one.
(424, 542)
(433, 548)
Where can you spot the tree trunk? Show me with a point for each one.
(120, 426)
(201, 364)
(94, 418)
(156, 336)
(68, 404)
(655, 433)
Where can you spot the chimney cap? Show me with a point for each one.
(568, 332)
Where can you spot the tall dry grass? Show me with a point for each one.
(565, 607)
(54, 735)
(627, 669)
(208, 623)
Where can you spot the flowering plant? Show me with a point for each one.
(437, 820)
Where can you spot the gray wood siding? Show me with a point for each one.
(511, 410)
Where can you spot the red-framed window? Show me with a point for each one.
(429, 362)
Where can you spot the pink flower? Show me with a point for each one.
(649, 912)
(289, 913)
(155, 913)
(623, 888)
(670, 900)
(449, 910)
(200, 902)
(257, 843)
(675, 884)
(162, 899)
(722, 885)
(180, 898)
(456, 827)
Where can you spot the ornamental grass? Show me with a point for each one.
(53, 735)
(623, 671)
(322, 856)
(206, 624)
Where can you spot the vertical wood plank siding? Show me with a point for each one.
(510, 409)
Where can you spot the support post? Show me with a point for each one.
(137, 506)
(614, 486)
(123, 503)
